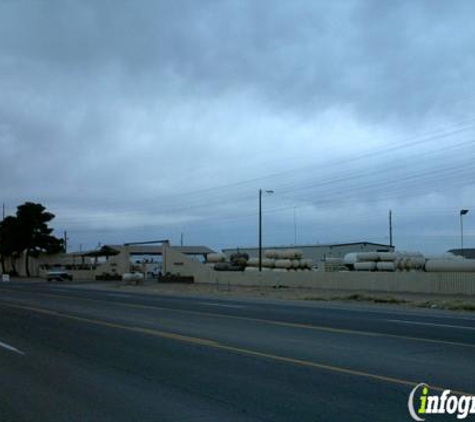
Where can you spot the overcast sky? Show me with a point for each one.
(141, 120)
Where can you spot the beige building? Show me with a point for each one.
(108, 262)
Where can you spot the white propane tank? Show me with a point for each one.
(133, 276)
(295, 263)
(214, 258)
(307, 263)
(271, 254)
(367, 256)
(386, 266)
(365, 266)
(253, 262)
(298, 254)
(387, 256)
(285, 254)
(283, 263)
(268, 262)
(290, 254)
(350, 258)
(450, 265)
(416, 263)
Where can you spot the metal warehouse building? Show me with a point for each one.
(319, 252)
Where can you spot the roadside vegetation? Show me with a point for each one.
(27, 232)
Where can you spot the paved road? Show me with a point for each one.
(83, 355)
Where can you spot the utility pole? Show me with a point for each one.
(390, 228)
(260, 226)
(462, 213)
(260, 230)
(65, 241)
(295, 227)
(181, 240)
(1, 238)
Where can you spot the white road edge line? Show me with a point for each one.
(11, 348)
(401, 321)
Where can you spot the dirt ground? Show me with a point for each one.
(449, 302)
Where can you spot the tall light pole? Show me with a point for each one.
(295, 227)
(260, 226)
(390, 228)
(462, 213)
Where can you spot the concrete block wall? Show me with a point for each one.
(414, 282)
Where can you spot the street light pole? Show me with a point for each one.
(260, 226)
(462, 213)
(260, 230)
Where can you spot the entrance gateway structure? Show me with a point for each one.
(111, 261)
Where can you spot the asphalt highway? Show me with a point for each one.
(71, 354)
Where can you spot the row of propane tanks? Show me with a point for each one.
(403, 261)
(273, 260)
(292, 260)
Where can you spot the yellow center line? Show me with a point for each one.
(220, 346)
(268, 321)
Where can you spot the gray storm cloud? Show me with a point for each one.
(145, 109)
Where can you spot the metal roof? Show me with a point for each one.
(468, 253)
(157, 250)
(332, 245)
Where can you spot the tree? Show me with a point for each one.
(11, 245)
(34, 234)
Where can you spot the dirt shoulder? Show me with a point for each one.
(448, 302)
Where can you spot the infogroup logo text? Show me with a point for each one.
(421, 403)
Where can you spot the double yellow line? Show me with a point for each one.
(268, 321)
(220, 346)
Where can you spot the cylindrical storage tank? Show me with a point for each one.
(450, 265)
(385, 266)
(268, 262)
(415, 263)
(132, 276)
(295, 263)
(307, 263)
(253, 262)
(350, 258)
(239, 258)
(215, 257)
(387, 256)
(271, 253)
(290, 254)
(367, 256)
(279, 270)
(296, 254)
(403, 264)
(365, 266)
(251, 269)
(283, 263)
(284, 254)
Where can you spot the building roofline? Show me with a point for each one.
(327, 245)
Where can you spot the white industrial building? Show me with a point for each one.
(318, 252)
